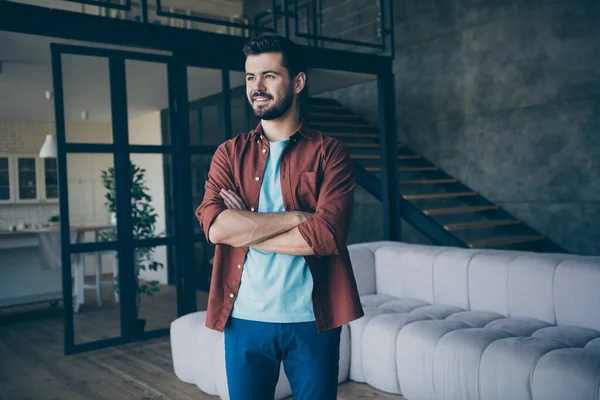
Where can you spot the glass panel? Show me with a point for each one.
(4, 179)
(95, 296)
(152, 186)
(204, 252)
(205, 95)
(51, 178)
(157, 299)
(27, 178)
(147, 101)
(86, 90)
(242, 116)
(204, 257)
(200, 165)
(90, 185)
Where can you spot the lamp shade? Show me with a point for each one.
(48, 149)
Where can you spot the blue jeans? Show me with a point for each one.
(254, 351)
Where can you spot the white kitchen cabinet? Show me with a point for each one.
(28, 179)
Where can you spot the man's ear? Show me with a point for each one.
(299, 82)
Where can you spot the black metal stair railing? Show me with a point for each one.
(410, 213)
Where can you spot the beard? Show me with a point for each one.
(275, 110)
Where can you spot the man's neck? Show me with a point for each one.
(281, 128)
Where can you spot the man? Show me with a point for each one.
(278, 205)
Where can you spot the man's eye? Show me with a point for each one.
(249, 78)
(270, 76)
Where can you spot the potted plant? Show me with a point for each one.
(144, 225)
(54, 221)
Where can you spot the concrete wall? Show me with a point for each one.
(505, 96)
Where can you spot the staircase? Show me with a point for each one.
(435, 203)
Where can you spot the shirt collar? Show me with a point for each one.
(303, 129)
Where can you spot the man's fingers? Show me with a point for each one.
(234, 201)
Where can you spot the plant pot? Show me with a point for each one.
(113, 219)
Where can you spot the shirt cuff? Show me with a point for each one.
(208, 216)
(319, 237)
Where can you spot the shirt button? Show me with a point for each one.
(239, 266)
(257, 179)
(231, 295)
(264, 150)
(251, 208)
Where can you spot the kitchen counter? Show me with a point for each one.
(23, 280)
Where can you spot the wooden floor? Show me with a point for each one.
(32, 364)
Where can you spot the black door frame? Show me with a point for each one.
(182, 230)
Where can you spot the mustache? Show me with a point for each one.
(261, 94)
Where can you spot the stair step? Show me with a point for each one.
(378, 157)
(404, 169)
(503, 240)
(427, 181)
(426, 196)
(368, 145)
(480, 224)
(459, 210)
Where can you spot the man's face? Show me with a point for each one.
(269, 88)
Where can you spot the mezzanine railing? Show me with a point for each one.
(353, 25)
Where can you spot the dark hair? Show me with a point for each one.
(271, 43)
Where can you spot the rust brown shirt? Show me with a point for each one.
(317, 176)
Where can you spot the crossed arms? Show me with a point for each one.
(225, 220)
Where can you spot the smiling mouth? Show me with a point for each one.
(261, 99)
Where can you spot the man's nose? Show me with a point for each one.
(259, 85)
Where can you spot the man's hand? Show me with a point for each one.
(232, 200)
(235, 202)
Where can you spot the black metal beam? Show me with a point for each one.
(123, 184)
(63, 204)
(185, 273)
(217, 50)
(389, 148)
(225, 105)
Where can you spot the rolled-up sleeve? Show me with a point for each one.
(219, 177)
(327, 231)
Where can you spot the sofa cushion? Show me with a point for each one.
(507, 366)
(363, 266)
(375, 300)
(475, 319)
(576, 294)
(518, 326)
(450, 277)
(356, 349)
(415, 347)
(567, 374)
(403, 305)
(379, 343)
(488, 281)
(530, 287)
(570, 336)
(406, 271)
(456, 361)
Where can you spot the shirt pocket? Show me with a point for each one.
(308, 190)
